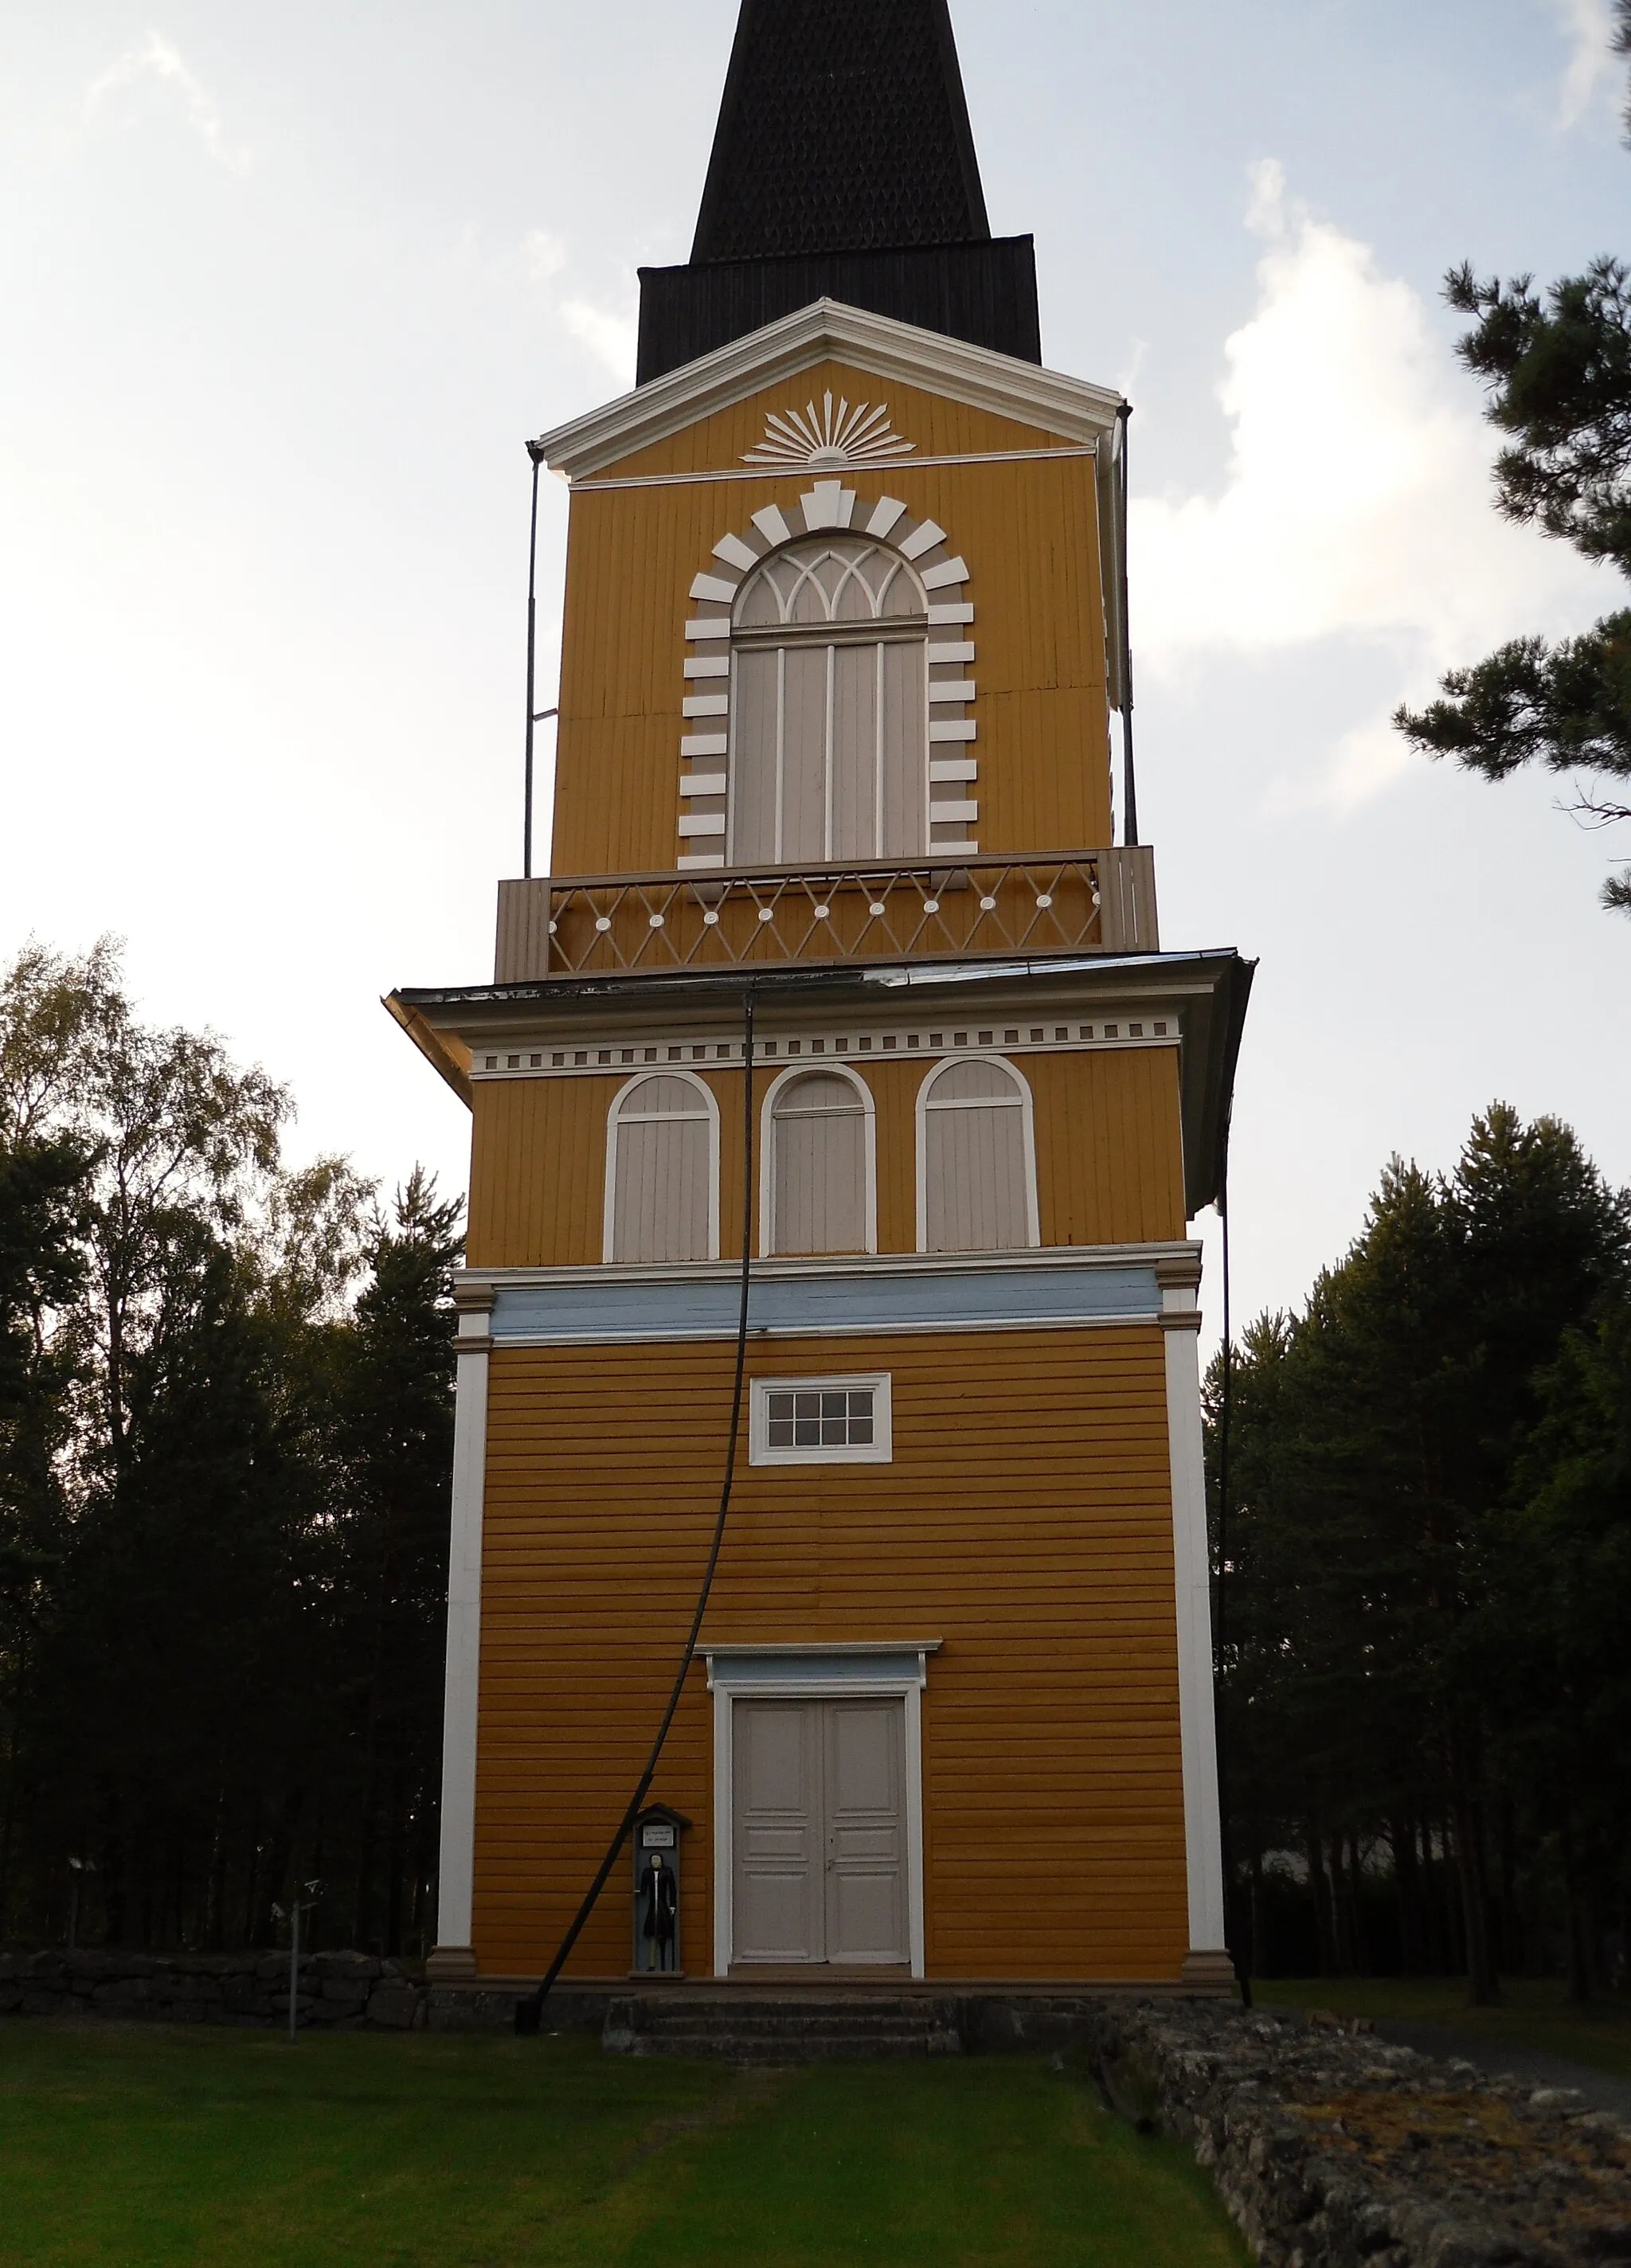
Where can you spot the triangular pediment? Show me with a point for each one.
(900, 353)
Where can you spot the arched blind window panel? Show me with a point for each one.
(977, 1186)
(660, 1193)
(818, 1167)
(829, 707)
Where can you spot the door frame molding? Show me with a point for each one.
(872, 1671)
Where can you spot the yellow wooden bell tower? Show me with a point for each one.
(843, 640)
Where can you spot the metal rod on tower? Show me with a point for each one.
(1129, 791)
(532, 656)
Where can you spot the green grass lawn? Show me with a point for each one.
(132, 2147)
(1533, 2014)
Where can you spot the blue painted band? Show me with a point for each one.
(830, 1304)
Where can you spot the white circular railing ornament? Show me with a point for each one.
(1045, 899)
(875, 910)
(711, 919)
(767, 913)
(931, 905)
(656, 921)
(988, 905)
(602, 921)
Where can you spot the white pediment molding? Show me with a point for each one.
(898, 353)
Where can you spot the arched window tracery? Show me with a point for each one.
(663, 1147)
(817, 1187)
(827, 700)
(977, 1174)
(829, 755)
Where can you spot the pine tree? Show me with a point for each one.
(1557, 370)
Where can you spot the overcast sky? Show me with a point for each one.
(282, 291)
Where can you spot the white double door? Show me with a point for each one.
(819, 1830)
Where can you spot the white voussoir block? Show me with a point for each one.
(921, 540)
(948, 572)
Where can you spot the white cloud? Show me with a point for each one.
(609, 335)
(1588, 26)
(1357, 504)
(157, 60)
(544, 254)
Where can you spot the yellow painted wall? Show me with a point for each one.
(1025, 1521)
(1028, 531)
(1109, 1156)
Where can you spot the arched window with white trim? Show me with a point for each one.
(817, 1187)
(662, 1153)
(828, 728)
(977, 1174)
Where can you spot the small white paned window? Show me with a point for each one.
(977, 1174)
(662, 1145)
(807, 1421)
(819, 1165)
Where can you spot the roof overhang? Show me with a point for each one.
(1208, 990)
(827, 330)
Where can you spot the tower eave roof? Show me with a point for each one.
(975, 376)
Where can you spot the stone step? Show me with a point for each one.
(792, 2027)
(719, 2047)
(803, 2019)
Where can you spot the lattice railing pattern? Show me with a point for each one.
(1078, 901)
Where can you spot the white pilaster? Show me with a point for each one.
(453, 1955)
(1202, 1820)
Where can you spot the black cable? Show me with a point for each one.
(529, 2012)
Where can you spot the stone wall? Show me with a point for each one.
(1332, 2148)
(337, 1991)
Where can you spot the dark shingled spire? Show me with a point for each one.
(842, 168)
(843, 128)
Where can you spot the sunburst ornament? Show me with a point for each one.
(830, 439)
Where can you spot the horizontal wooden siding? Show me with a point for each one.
(1025, 1521)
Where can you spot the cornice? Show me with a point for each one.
(1045, 1257)
(975, 376)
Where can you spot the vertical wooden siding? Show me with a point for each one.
(1028, 532)
(1109, 1156)
(1025, 1521)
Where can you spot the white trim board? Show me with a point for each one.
(1203, 1832)
(794, 472)
(837, 1673)
(827, 330)
(456, 1866)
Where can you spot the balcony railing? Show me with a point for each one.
(641, 924)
